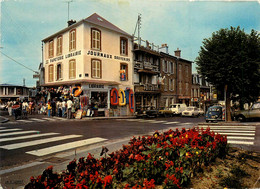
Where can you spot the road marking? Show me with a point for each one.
(22, 120)
(240, 138)
(188, 123)
(155, 121)
(35, 119)
(240, 142)
(60, 118)
(18, 133)
(26, 137)
(67, 146)
(234, 131)
(6, 130)
(230, 127)
(241, 134)
(50, 119)
(174, 122)
(36, 142)
(2, 127)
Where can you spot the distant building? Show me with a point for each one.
(8, 91)
(168, 70)
(184, 79)
(146, 74)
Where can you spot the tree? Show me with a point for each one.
(230, 60)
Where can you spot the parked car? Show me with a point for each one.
(147, 112)
(252, 113)
(215, 113)
(201, 111)
(165, 112)
(177, 109)
(191, 111)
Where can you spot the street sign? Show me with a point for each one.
(36, 76)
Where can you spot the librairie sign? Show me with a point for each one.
(58, 58)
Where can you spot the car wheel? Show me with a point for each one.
(241, 118)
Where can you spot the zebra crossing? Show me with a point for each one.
(12, 139)
(33, 120)
(236, 134)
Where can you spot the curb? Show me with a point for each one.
(231, 124)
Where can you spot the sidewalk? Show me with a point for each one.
(6, 118)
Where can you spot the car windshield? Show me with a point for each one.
(214, 109)
(174, 106)
(256, 106)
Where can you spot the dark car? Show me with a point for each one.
(148, 111)
(215, 113)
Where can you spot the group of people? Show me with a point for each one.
(61, 108)
(54, 107)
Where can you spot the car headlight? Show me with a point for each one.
(144, 112)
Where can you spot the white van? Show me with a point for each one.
(177, 108)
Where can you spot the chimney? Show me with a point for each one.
(177, 52)
(70, 22)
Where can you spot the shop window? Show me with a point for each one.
(95, 39)
(59, 71)
(72, 69)
(51, 49)
(123, 72)
(96, 69)
(98, 100)
(59, 45)
(50, 73)
(72, 40)
(123, 46)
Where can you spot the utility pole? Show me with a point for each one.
(138, 26)
(69, 1)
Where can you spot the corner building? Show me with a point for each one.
(94, 55)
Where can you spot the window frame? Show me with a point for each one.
(59, 45)
(72, 70)
(126, 46)
(72, 43)
(59, 73)
(92, 39)
(51, 48)
(126, 70)
(51, 73)
(94, 73)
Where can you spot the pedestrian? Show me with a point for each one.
(53, 107)
(69, 106)
(49, 108)
(24, 108)
(9, 106)
(17, 109)
(64, 104)
(59, 106)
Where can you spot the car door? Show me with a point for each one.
(254, 112)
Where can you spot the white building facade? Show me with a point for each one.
(95, 56)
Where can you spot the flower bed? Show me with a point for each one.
(167, 159)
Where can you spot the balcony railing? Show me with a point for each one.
(146, 87)
(146, 65)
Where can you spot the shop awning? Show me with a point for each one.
(81, 81)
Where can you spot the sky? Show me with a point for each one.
(181, 24)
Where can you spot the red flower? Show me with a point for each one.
(108, 180)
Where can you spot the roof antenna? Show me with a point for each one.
(69, 1)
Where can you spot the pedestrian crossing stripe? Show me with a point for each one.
(6, 130)
(155, 121)
(26, 137)
(186, 123)
(242, 134)
(234, 131)
(66, 146)
(2, 127)
(22, 120)
(37, 142)
(240, 142)
(35, 119)
(174, 122)
(18, 133)
(50, 119)
(241, 138)
(230, 127)
(61, 118)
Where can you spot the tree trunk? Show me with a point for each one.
(228, 106)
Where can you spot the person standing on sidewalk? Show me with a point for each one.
(49, 108)
(24, 108)
(53, 106)
(69, 106)
(64, 104)
(9, 106)
(59, 106)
